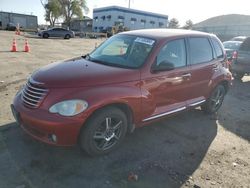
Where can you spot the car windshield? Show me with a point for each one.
(232, 45)
(123, 51)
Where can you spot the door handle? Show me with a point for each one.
(186, 75)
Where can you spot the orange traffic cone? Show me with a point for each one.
(14, 46)
(26, 46)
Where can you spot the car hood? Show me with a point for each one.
(79, 72)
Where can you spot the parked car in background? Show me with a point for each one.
(130, 80)
(57, 32)
(11, 27)
(231, 48)
(238, 38)
(241, 60)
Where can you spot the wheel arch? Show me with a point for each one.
(45, 33)
(225, 84)
(121, 106)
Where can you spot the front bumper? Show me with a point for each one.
(41, 125)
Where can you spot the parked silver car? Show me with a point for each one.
(57, 32)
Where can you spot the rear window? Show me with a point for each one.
(234, 45)
(200, 50)
(245, 46)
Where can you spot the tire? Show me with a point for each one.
(214, 102)
(67, 36)
(45, 35)
(104, 131)
(239, 75)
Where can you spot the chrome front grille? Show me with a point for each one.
(33, 94)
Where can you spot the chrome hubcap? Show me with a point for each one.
(108, 133)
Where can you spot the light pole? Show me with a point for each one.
(128, 3)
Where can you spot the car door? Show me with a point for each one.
(62, 32)
(53, 32)
(167, 89)
(202, 65)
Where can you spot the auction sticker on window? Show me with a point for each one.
(145, 41)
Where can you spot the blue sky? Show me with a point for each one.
(196, 10)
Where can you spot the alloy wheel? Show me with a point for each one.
(108, 133)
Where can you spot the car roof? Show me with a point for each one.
(165, 33)
(240, 37)
(232, 41)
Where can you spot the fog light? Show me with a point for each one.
(52, 137)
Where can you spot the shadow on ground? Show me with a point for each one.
(235, 116)
(162, 155)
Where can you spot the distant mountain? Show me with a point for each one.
(223, 20)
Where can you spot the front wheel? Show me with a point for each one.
(214, 102)
(67, 36)
(104, 131)
(45, 35)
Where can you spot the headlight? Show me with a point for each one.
(69, 107)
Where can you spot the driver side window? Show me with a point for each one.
(173, 52)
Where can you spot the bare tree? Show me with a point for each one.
(173, 23)
(73, 8)
(189, 24)
(53, 10)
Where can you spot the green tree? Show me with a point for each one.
(73, 8)
(173, 23)
(189, 24)
(53, 10)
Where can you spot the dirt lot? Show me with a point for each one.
(187, 150)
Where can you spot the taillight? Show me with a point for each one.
(235, 55)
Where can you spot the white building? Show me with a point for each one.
(106, 17)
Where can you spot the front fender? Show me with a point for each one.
(98, 97)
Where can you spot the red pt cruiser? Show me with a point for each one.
(130, 80)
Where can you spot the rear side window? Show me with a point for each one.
(200, 50)
(217, 47)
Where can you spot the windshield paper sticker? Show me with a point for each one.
(145, 41)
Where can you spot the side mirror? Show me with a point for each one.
(163, 66)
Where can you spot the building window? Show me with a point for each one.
(96, 19)
(152, 23)
(109, 17)
(103, 18)
(133, 20)
(160, 24)
(120, 18)
(100, 28)
(143, 22)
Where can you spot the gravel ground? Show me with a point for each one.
(190, 149)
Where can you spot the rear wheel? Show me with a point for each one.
(104, 131)
(214, 102)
